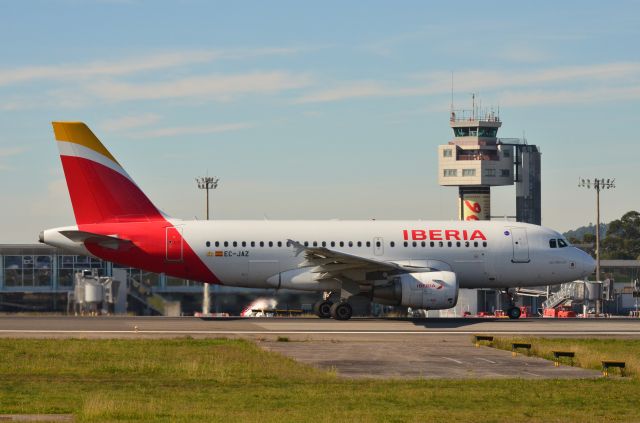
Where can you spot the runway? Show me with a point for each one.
(305, 328)
(359, 348)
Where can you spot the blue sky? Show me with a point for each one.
(324, 110)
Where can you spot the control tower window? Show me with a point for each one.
(446, 152)
(487, 132)
(461, 132)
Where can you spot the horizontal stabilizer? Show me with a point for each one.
(112, 242)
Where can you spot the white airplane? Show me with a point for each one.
(418, 264)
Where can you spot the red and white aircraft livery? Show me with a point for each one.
(419, 264)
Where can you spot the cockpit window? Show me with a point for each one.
(553, 243)
(562, 243)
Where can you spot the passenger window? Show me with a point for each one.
(424, 244)
(378, 244)
(392, 244)
(253, 243)
(262, 243)
(244, 243)
(475, 243)
(552, 243)
(561, 243)
(270, 243)
(484, 243)
(406, 244)
(466, 243)
(369, 243)
(324, 243)
(350, 243)
(226, 243)
(333, 243)
(208, 244)
(315, 243)
(415, 244)
(359, 243)
(217, 243)
(458, 244)
(432, 244)
(279, 243)
(306, 243)
(342, 243)
(441, 244)
(449, 244)
(235, 243)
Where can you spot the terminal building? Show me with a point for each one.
(38, 277)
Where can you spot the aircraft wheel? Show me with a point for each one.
(513, 313)
(341, 311)
(322, 309)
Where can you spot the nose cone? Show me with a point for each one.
(586, 263)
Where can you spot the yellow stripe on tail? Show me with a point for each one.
(79, 133)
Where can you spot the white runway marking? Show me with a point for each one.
(486, 359)
(320, 332)
(453, 359)
(532, 374)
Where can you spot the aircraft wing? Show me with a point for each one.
(330, 264)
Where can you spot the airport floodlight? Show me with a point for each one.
(598, 184)
(207, 183)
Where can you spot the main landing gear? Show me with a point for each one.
(326, 309)
(322, 309)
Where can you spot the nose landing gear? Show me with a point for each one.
(513, 311)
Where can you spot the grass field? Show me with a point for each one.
(589, 352)
(230, 380)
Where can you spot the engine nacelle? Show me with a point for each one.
(428, 290)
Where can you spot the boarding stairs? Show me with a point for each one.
(570, 291)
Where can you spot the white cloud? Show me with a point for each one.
(149, 62)
(219, 87)
(97, 69)
(612, 77)
(192, 130)
(8, 152)
(551, 97)
(11, 151)
(129, 122)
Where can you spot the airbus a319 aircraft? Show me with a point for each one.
(419, 264)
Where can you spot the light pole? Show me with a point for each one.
(207, 183)
(597, 184)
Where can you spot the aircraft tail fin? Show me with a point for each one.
(100, 189)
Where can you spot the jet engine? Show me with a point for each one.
(428, 290)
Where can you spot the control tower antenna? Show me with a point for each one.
(473, 106)
(451, 110)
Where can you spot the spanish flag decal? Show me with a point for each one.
(219, 254)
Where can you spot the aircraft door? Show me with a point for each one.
(520, 245)
(174, 243)
(378, 246)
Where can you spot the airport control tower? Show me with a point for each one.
(476, 159)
